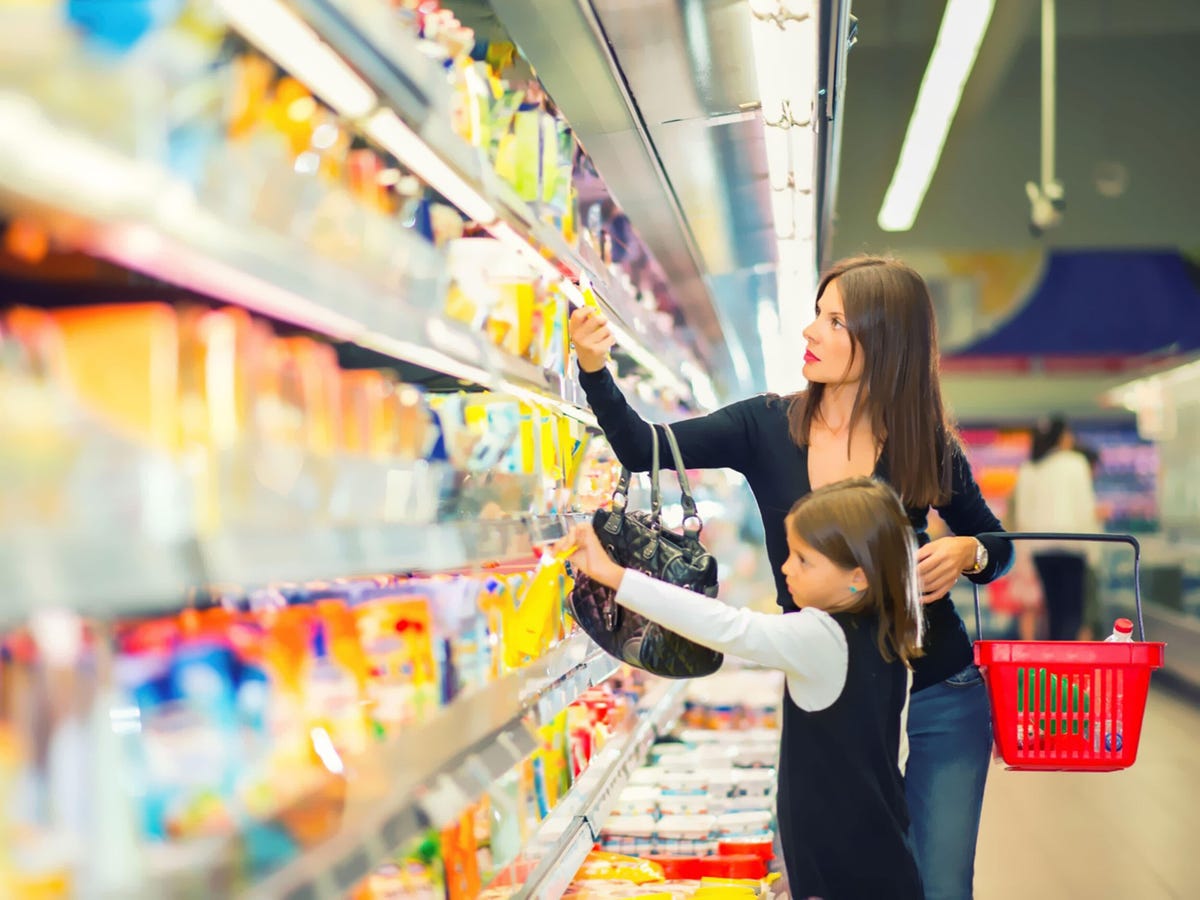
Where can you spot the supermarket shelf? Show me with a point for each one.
(571, 830)
(436, 770)
(138, 216)
(412, 87)
(106, 575)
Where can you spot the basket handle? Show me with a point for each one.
(1066, 536)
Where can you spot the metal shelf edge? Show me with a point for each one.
(432, 794)
(588, 803)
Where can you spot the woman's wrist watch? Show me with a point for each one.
(981, 559)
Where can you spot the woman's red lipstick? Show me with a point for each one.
(809, 357)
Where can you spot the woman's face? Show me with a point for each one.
(828, 356)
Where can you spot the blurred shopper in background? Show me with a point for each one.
(1093, 627)
(1054, 492)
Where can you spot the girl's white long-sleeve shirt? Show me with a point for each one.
(808, 646)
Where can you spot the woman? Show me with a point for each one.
(1054, 492)
(873, 407)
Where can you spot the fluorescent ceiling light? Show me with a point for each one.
(784, 37)
(958, 41)
(802, 146)
(283, 36)
(390, 131)
(779, 164)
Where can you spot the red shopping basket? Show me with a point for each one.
(1072, 706)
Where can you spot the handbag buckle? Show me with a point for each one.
(619, 501)
(692, 526)
(610, 616)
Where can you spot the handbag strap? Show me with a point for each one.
(620, 497)
(692, 522)
(655, 485)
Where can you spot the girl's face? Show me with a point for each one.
(827, 359)
(815, 580)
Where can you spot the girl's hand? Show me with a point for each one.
(592, 338)
(591, 558)
(940, 562)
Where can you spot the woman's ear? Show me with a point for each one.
(858, 580)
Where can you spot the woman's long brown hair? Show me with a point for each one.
(860, 523)
(889, 316)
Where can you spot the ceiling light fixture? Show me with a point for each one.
(959, 37)
(784, 35)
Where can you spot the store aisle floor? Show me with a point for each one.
(1056, 836)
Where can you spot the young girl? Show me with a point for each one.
(851, 572)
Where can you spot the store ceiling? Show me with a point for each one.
(1127, 76)
(654, 89)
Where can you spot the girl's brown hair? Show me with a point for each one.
(889, 316)
(860, 523)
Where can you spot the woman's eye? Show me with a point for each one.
(837, 323)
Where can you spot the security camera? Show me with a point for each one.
(1046, 205)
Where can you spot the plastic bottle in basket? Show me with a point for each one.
(1122, 632)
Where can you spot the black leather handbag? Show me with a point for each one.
(637, 540)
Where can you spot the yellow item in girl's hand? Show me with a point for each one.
(535, 623)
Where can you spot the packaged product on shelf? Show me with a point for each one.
(469, 638)
(556, 752)
(400, 639)
(460, 860)
(686, 834)
(672, 803)
(190, 741)
(389, 687)
(508, 828)
(537, 621)
(284, 655)
(31, 865)
(555, 348)
(637, 800)
(364, 400)
(604, 866)
(629, 834)
(742, 825)
(335, 683)
(416, 873)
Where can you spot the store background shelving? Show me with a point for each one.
(567, 836)
(143, 552)
(120, 575)
(437, 769)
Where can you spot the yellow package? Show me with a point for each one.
(601, 865)
(538, 620)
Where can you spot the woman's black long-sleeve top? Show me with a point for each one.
(752, 437)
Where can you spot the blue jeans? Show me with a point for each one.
(950, 747)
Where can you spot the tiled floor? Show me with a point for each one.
(1122, 835)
